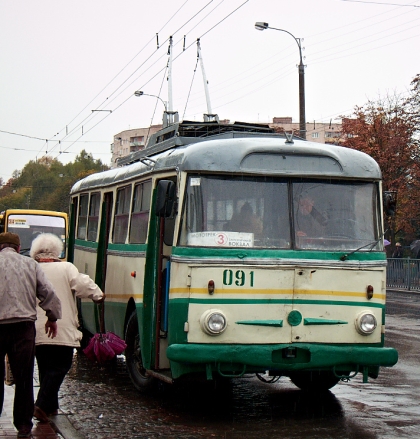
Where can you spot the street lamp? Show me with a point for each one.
(169, 117)
(139, 93)
(259, 25)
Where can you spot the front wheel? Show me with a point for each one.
(141, 380)
(318, 381)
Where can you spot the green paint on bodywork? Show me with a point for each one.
(88, 244)
(128, 247)
(214, 301)
(114, 247)
(101, 253)
(72, 233)
(274, 323)
(148, 324)
(241, 254)
(323, 322)
(178, 315)
(271, 357)
(294, 318)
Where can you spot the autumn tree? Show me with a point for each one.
(385, 130)
(46, 183)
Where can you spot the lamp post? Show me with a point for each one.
(259, 25)
(139, 93)
(169, 117)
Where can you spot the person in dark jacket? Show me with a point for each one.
(22, 281)
(398, 252)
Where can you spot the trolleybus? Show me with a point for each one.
(226, 250)
(29, 223)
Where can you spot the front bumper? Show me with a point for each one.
(285, 357)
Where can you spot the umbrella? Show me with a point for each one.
(386, 242)
(415, 247)
(104, 346)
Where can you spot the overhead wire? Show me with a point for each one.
(122, 103)
(215, 88)
(93, 115)
(188, 47)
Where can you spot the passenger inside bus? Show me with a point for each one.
(308, 220)
(245, 221)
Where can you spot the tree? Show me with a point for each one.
(46, 183)
(386, 131)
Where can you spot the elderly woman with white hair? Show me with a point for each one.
(55, 356)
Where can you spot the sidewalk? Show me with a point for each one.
(59, 426)
(7, 429)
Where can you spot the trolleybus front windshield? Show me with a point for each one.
(28, 227)
(280, 213)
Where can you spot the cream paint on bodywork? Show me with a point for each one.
(120, 285)
(86, 262)
(325, 288)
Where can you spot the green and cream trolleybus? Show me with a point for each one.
(228, 249)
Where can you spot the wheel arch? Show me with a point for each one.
(131, 307)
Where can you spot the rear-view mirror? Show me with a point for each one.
(165, 198)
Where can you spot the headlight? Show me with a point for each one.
(366, 323)
(213, 322)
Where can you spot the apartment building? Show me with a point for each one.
(315, 131)
(129, 141)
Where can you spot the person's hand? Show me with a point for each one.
(101, 300)
(51, 329)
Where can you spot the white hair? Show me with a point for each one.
(46, 243)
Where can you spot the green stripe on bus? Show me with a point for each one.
(274, 323)
(310, 321)
(277, 301)
(114, 247)
(235, 253)
(89, 244)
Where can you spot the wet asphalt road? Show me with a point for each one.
(101, 403)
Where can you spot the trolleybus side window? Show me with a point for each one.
(122, 214)
(83, 213)
(93, 220)
(140, 212)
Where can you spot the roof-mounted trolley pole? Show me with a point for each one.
(209, 117)
(172, 115)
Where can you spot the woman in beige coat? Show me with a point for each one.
(55, 356)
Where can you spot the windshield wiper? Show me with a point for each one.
(345, 256)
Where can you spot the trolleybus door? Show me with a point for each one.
(162, 249)
(101, 262)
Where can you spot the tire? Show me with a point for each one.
(318, 381)
(138, 375)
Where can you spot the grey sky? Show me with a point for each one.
(60, 59)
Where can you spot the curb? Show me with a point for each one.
(62, 426)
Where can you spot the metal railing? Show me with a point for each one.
(403, 273)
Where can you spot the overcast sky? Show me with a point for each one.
(61, 59)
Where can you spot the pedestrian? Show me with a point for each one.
(398, 252)
(54, 357)
(22, 281)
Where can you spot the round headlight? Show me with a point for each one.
(366, 323)
(213, 322)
